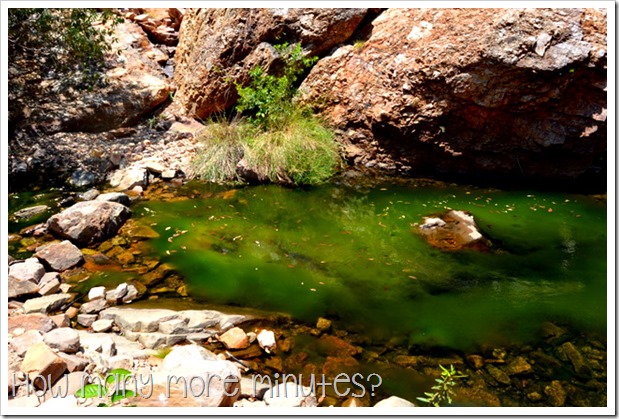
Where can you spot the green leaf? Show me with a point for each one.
(115, 375)
(91, 390)
(120, 394)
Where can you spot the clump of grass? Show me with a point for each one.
(277, 140)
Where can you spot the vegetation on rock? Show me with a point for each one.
(274, 138)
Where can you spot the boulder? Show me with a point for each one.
(218, 47)
(455, 230)
(41, 360)
(60, 256)
(93, 307)
(63, 339)
(89, 222)
(518, 94)
(20, 289)
(46, 304)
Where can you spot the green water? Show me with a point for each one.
(352, 255)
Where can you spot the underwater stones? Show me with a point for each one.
(89, 222)
(30, 212)
(556, 393)
(453, 231)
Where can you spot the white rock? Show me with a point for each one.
(266, 340)
(96, 293)
(102, 325)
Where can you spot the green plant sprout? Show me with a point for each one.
(114, 388)
(443, 390)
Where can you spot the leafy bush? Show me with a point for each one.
(58, 41)
(277, 140)
(268, 98)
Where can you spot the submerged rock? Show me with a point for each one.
(455, 230)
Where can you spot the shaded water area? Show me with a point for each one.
(353, 255)
(350, 252)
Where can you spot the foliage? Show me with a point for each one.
(443, 390)
(59, 41)
(268, 98)
(277, 139)
(114, 387)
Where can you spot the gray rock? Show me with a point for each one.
(30, 212)
(64, 339)
(89, 195)
(96, 293)
(118, 197)
(94, 306)
(46, 304)
(102, 325)
(290, 394)
(50, 283)
(60, 256)
(394, 401)
(28, 270)
(82, 179)
(18, 289)
(89, 222)
(132, 294)
(173, 326)
(138, 320)
(86, 320)
(123, 346)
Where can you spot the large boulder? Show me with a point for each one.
(518, 93)
(218, 47)
(455, 230)
(89, 222)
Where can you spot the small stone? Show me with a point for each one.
(65, 288)
(235, 338)
(576, 358)
(266, 340)
(49, 284)
(324, 325)
(534, 396)
(94, 306)
(498, 374)
(476, 361)
(72, 312)
(61, 320)
(86, 320)
(89, 195)
(118, 197)
(518, 366)
(168, 174)
(96, 293)
(556, 393)
(63, 339)
(103, 325)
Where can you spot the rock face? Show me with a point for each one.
(516, 93)
(89, 222)
(218, 47)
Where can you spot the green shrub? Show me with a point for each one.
(277, 139)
